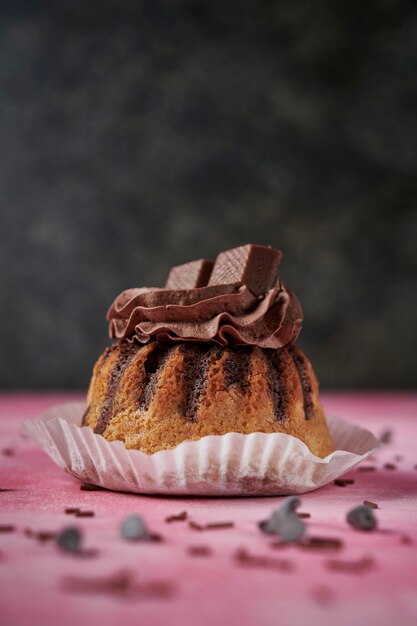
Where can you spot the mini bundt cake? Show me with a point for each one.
(155, 396)
(210, 353)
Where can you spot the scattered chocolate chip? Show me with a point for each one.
(8, 452)
(199, 550)
(390, 466)
(133, 529)
(385, 437)
(352, 567)
(367, 468)
(322, 543)
(71, 510)
(70, 540)
(243, 557)
(88, 487)
(285, 522)
(181, 517)
(372, 505)
(7, 528)
(342, 482)
(361, 518)
(80, 513)
(304, 515)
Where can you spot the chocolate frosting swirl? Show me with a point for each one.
(229, 314)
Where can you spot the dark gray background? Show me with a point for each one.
(137, 135)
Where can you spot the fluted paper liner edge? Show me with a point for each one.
(258, 464)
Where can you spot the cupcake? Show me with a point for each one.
(210, 353)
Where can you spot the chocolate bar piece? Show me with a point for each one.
(190, 275)
(250, 265)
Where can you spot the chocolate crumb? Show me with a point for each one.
(243, 557)
(390, 466)
(372, 505)
(385, 437)
(199, 550)
(366, 468)
(7, 528)
(80, 513)
(88, 487)
(177, 518)
(40, 535)
(342, 482)
(352, 567)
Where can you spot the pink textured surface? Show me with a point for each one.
(211, 589)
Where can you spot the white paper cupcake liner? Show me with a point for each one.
(258, 464)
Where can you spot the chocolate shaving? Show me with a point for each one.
(195, 526)
(390, 466)
(7, 528)
(181, 517)
(372, 505)
(199, 550)
(342, 482)
(71, 510)
(5, 489)
(303, 515)
(243, 557)
(366, 468)
(351, 567)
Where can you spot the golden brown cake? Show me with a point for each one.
(210, 353)
(154, 396)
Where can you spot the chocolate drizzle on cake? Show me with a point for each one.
(153, 366)
(196, 362)
(127, 352)
(276, 368)
(237, 369)
(302, 369)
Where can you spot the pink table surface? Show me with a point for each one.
(214, 589)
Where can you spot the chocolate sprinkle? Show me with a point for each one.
(7, 528)
(372, 505)
(320, 543)
(352, 567)
(366, 468)
(390, 466)
(199, 550)
(342, 482)
(80, 513)
(303, 515)
(121, 584)
(243, 557)
(177, 518)
(71, 510)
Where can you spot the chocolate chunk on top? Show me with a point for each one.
(190, 275)
(250, 265)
